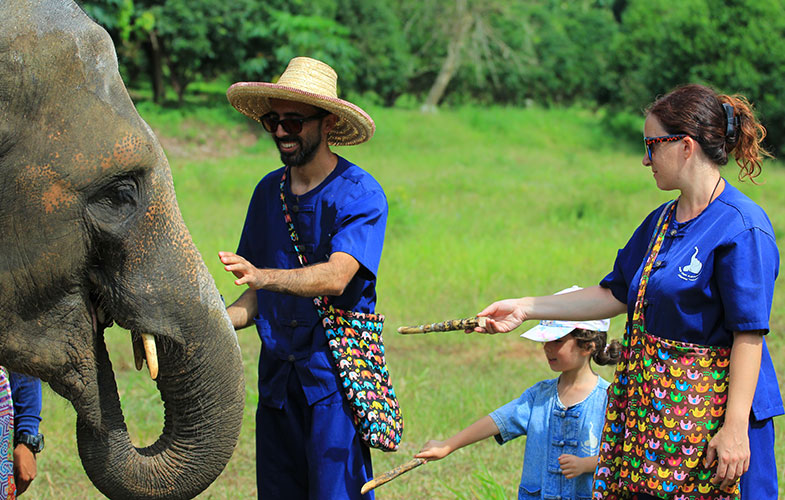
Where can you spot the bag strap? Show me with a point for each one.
(321, 301)
(290, 223)
(654, 248)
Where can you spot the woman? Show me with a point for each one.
(696, 280)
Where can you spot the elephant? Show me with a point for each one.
(91, 235)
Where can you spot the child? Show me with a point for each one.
(562, 418)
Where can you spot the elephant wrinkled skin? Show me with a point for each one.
(90, 234)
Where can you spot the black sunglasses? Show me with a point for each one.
(270, 122)
(651, 141)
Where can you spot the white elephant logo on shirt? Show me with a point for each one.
(693, 270)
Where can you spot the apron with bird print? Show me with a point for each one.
(666, 402)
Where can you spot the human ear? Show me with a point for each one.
(688, 147)
(590, 349)
(329, 122)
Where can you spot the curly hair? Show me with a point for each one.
(602, 353)
(699, 111)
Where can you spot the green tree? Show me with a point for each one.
(736, 46)
(175, 41)
(544, 51)
(449, 37)
(118, 18)
(376, 33)
(362, 40)
(314, 36)
(573, 62)
(195, 39)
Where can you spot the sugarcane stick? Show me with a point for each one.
(391, 474)
(446, 326)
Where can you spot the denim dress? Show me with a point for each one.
(553, 430)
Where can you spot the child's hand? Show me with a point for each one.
(434, 450)
(572, 466)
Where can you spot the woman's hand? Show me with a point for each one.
(730, 446)
(434, 450)
(503, 316)
(594, 302)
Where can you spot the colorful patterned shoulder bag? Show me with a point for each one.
(357, 348)
(666, 402)
(7, 487)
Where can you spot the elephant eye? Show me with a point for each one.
(115, 202)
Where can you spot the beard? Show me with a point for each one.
(303, 154)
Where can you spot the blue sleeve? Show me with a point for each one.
(629, 259)
(767, 401)
(359, 229)
(252, 226)
(745, 270)
(26, 394)
(512, 419)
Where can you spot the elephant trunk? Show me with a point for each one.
(202, 389)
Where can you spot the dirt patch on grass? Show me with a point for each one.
(201, 141)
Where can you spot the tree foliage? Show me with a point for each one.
(736, 46)
(618, 54)
(180, 41)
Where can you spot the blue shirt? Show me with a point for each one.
(553, 430)
(713, 275)
(346, 213)
(26, 394)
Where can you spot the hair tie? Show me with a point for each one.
(730, 120)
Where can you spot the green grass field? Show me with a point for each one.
(485, 203)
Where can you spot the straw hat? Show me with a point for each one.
(312, 82)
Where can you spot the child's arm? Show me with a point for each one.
(479, 430)
(572, 466)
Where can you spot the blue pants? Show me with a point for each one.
(310, 452)
(760, 481)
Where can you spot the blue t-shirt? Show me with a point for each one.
(346, 213)
(552, 430)
(713, 275)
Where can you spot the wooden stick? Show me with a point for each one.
(446, 326)
(391, 474)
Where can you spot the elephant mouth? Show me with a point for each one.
(144, 345)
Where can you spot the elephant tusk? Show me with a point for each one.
(136, 342)
(151, 354)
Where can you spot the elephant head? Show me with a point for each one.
(90, 234)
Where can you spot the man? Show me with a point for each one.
(306, 444)
(20, 414)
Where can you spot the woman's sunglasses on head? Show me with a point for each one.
(651, 141)
(270, 122)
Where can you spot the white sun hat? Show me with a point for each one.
(550, 329)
